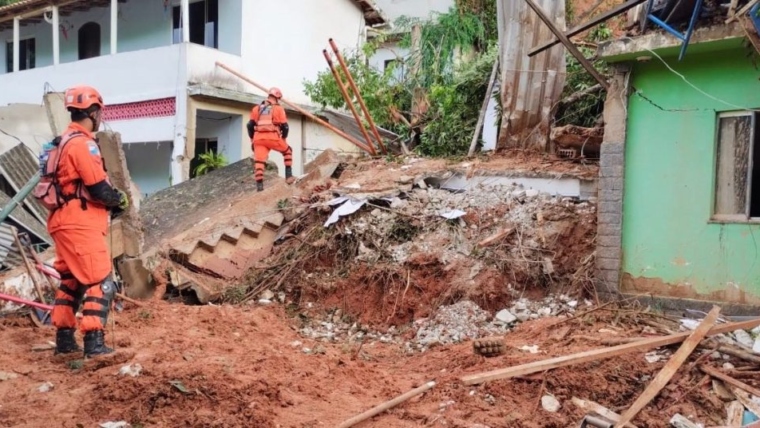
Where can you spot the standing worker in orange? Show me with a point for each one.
(80, 198)
(268, 130)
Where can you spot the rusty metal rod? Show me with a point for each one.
(352, 83)
(569, 45)
(347, 98)
(295, 107)
(14, 299)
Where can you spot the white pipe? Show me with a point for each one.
(16, 43)
(185, 6)
(114, 24)
(56, 37)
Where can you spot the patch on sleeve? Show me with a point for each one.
(93, 147)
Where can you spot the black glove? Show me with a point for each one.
(106, 194)
(284, 130)
(250, 126)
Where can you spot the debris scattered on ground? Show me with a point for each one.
(7, 376)
(550, 404)
(45, 387)
(132, 370)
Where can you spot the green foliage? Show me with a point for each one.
(379, 89)
(464, 35)
(455, 107)
(209, 162)
(7, 2)
(440, 39)
(586, 110)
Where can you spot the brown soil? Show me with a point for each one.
(235, 367)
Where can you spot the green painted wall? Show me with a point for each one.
(669, 180)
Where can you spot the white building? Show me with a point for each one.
(158, 76)
(390, 51)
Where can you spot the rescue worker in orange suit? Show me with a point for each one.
(268, 130)
(79, 229)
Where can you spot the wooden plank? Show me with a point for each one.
(569, 45)
(670, 369)
(592, 407)
(735, 414)
(729, 380)
(484, 108)
(589, 24)
(599, 354)
(742, 11)
(746, 401)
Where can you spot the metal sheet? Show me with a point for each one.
(10, 256)
(18, 165)
(530, 87)
(25, 221)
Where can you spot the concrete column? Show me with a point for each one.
(16, 43)
(180, 161)
(56, 36)
(185, 11)
(114, 24)
(611, 178)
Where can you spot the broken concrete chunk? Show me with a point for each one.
(267, 294)
(531, 193)
(505, 317)
(132, 370)
(405, 179)
(550, 404)
(7, 376)
(120, 424)
(45, 387)
(680, 421)
(744, 339)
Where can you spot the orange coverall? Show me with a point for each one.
(83, 258)
(268, 137)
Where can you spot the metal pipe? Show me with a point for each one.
(295, 107)
(114, 24)
(20, 196)
(347, 98)
(9, 298)
(16, 43)
(56, 36)
(352, 83)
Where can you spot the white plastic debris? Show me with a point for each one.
(453, 214)
(533, 349)
(120, 424)
(680, 421)
(45, 387)
(133, 370)
(550, 404)
(348, 207)
(744, 339)
(652, 357)
(690, 324)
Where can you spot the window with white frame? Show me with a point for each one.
(204, 23)
(737, 181)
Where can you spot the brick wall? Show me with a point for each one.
(610, 197)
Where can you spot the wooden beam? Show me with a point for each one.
(670, 369)
(585, 26)
(742, 11)
(37, 11)
(599, 354)
(729, 380)
(569, 45)
(735, 414)
(592, 407)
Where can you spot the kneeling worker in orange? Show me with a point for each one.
(78, 223)
(268, 130)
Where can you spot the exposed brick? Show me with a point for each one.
(608, 160)
(611, 218)
(610, 253)
(611, 171)
(609, 264)
(608, 241)
(604, 229)
(614, 207)
(612, 148)
(607, 195)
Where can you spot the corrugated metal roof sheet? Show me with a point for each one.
(10, 256)
(530, 87)
(18, 165)
(25, 220)
(348, 125)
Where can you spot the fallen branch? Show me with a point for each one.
(580, 94)
(130, 300)
(387, 405)
(598, 354)
(670, 369)
(503, 233)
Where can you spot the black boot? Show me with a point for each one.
(288, 171)
(259, 186)
(94, 344)
(65, 343)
